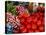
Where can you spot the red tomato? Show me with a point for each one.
(34, 26)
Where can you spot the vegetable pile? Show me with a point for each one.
(21, 20)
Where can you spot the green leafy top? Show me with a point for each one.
(11, 8)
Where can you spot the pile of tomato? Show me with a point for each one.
(33, 23)
(27, 22)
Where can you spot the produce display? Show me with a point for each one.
(24, 17)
